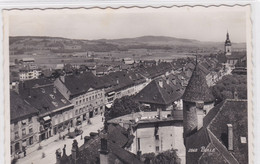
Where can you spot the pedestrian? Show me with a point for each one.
(24, 151)
(102, 119)
(63, 137)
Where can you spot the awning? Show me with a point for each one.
(46, 118)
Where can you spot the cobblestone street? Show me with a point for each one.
(50, 148)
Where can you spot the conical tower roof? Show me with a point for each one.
(198, 89)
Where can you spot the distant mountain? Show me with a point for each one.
(58, 44)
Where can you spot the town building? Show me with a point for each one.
(154, 132)
(24, 125)
(160, 94)
(223, 137)
(103, 147)
(197, 102)
(232, 56)
(122, 83)
(29, 71)
(27, 61)
(85, 91)
(55, 112)
(228, 50)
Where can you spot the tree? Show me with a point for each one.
(169, 157)
(228, 85)
(122, 106)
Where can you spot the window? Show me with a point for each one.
(87, 99)
(16, 135)
(157, 137)
(16, 124)
(76, 102)
(30, 119)
(157, 148)
(30, 130)
(23, 123)
(23, 132)
(76, 112)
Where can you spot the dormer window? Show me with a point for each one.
(55, 103)
(64, 101)
(52, 96)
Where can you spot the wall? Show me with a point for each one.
(170, 136)
(23, 139)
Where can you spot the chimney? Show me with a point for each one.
(159, 113)
(75, 151)
(104, 150)
(160, 83)
(139, 154)
(200, 114)
(58, 156)
(230, 137)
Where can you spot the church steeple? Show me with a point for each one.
(227, 45)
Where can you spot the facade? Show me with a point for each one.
(24, 125)
(121, 83)
(28, 72)
(55, 112)
(154, 132)
(85, 92)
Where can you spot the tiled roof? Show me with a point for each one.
(156, 94)
(78, 84)
(233, 112)
(34, 83)
(20, 109)
(112, 78)
(197, 89)
(89, 152)
(214, 129)
(45, 99)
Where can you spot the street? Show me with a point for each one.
(50, 149)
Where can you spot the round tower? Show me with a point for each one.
(197, 101)
(227, 46)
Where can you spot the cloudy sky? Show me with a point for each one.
(204, 24)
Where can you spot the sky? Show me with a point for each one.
(200, 23)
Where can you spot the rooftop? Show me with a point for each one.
(147, 117)
(45, 99)
(197, 89)
(20, 109)
(159, 92)
(214, 134)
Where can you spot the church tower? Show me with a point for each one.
(197, 101)
(227, 46)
